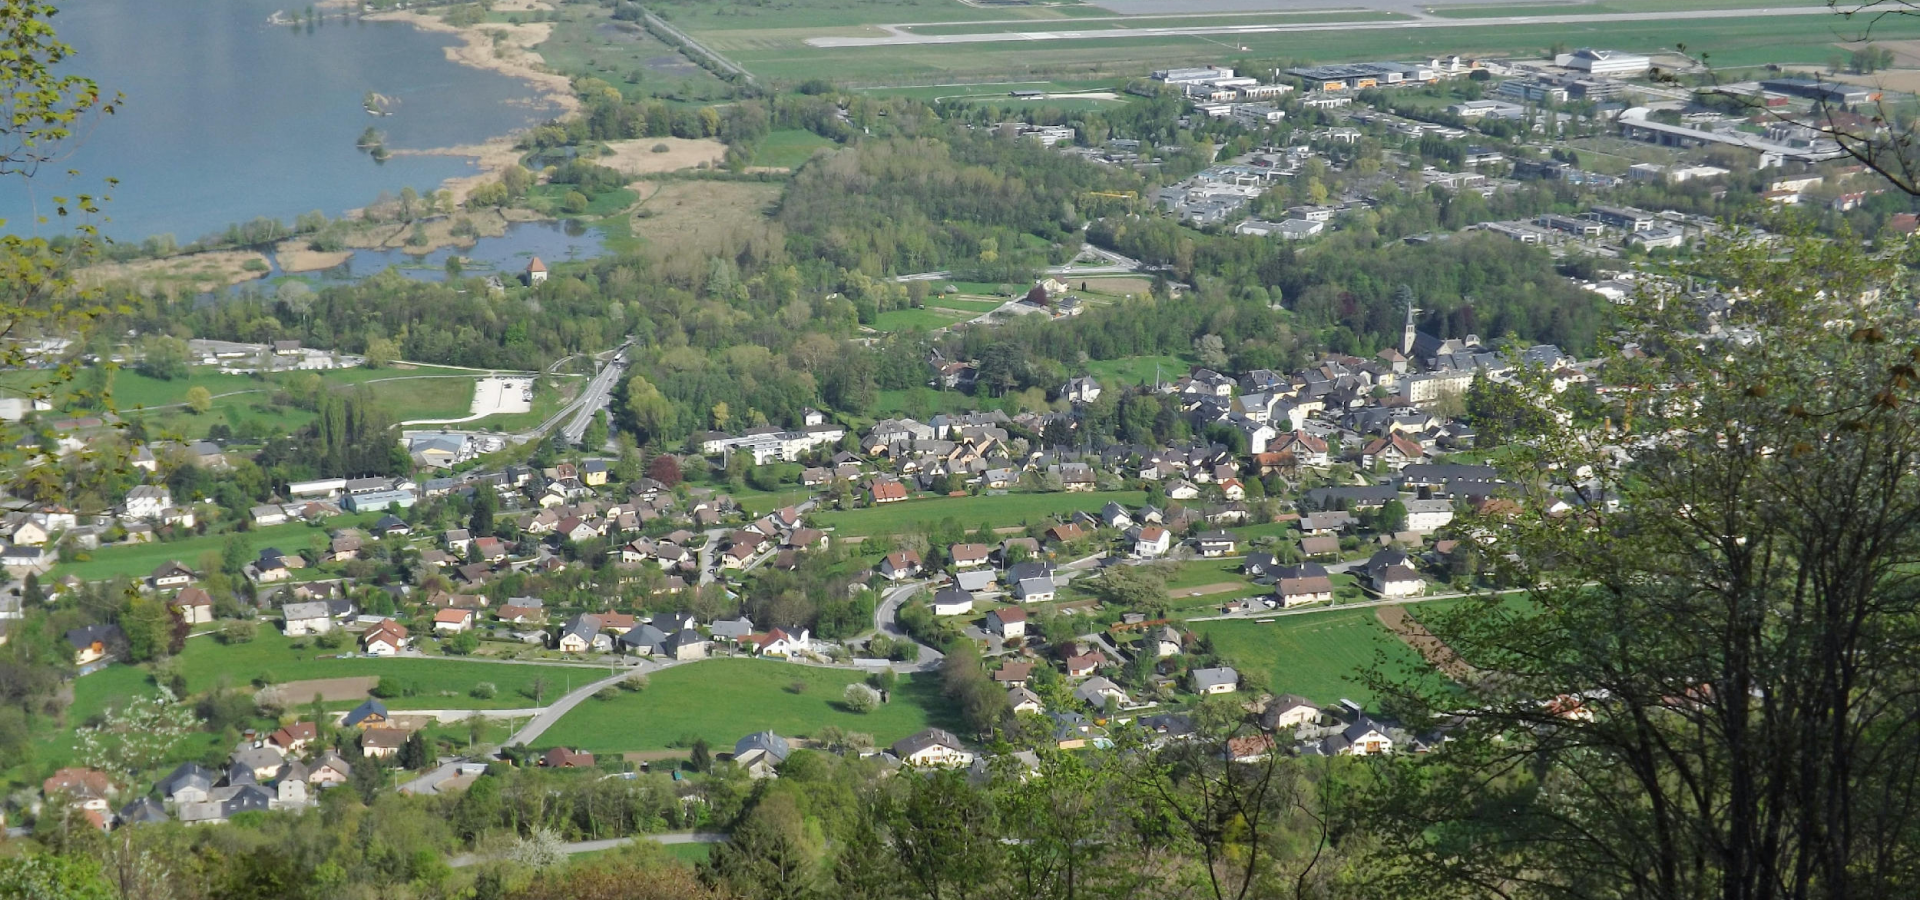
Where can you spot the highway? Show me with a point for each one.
(594, 397)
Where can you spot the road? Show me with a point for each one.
(595, 396)
(897, 36)
(679, 837)
(539, 724)
(886, 621)
(1364, 604)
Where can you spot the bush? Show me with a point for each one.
(797, 687)
(390, 687)
(483, 691)
(860, 698)
(238, 631)
(661, 148)
(606, 693)
(635, 682)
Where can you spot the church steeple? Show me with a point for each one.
(1407, 335)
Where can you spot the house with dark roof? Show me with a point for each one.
(760, 753)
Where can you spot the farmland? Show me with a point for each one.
(727, 699)
(1320, 656)
(998, 511)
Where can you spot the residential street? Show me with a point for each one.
(886, 621)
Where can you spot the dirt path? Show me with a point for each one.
(1439, 655)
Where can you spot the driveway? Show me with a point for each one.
(886, 621)
(539, 724)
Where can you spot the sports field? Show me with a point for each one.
(724, 700)
(998, 511)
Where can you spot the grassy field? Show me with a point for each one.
(691, 218)
(986, 90)
(918, 319)
(999, 511)
(974, 307)
(586, 41)
(1728, 42)
(724, 700)
(1320, 657)
(787, 148)
(719, 17)
(137, 560)
(1112, 373)
(440, 683)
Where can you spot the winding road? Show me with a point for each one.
(886, 621)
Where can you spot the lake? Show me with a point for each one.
(227, 117)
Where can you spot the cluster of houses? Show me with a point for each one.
(283, 770)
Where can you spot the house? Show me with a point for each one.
(268, 515)
(1321, 545)
(452, 621)
(1020, 699)
(143, 811)
(952, 602)
(1182, 489)
(1065, 534)
(293, 738)
(1096, 691)
(189, 783)
(1084, 664)
(370, 714)
(171, 574)
(932, 747)
(1289, 711)
(900, 565)
(645, 640)
(1292, 592)
(562, 758)
(298, 619)
(87, 788)
(577, 635)
(264, 759)
(94, 642)
(1164, 641)
(536, 271)
(456, 540)
(327, 770)
(194, 606)
(1364, 737)
(1080, 390)
(1428, 515)
(391, 525)
(886, 492)
(1031, 590)
(1218, 680)
(1250, 748)
(779, 643)
(1395, 451)
(968, 555)
(760, 753)
(1014, 674)
(146, 501)
(1214, 544)
(380, 743)
(1399, 581)
(685, 644)
(1010, 622)
(385, 639)
(1152, 542)
(593, 472)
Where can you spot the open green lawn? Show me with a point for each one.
(1729, 42)
(1193, 21)
(1318, 656)
(724, 700)
(439, 683)
(787, 148)
(989, 89)
(918, 319)
(974, 307)
(998, 511)
(1112, 373)
(759, 503)
(137, 560)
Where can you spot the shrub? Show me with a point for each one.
(483, 691)
(238, 631)
(635, 682)
(606, 693)
(662, 148)
(797, 687)
(860, 698)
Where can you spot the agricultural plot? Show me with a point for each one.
(726, 699)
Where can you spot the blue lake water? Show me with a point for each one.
(227, 117)
(506, 255)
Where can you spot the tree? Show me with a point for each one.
(700, 758)
(480, 523)
(464, 643)
(48, 877)
(1710, 690)
(665, 469)
(1391, 517)
(768, 855)
(381, 352)
(652, 413)
(199, 399)
(413, 754)
(860, 698)
(148, 625)
(595, 437)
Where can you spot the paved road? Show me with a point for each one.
(544, 720)
(898, 37)
(429, 782)
(1364, 604)
(680, 837)
(596, 395)
(886, 621)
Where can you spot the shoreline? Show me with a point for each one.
(513, 57)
